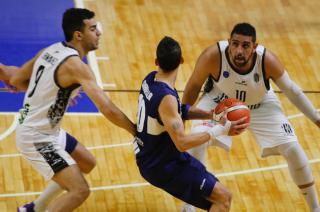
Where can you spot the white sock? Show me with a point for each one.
(300, 172)
(49, 193)
(310, 194)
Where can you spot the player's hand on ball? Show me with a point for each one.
(235, 111)
(239, 126)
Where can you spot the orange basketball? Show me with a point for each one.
(234, 108)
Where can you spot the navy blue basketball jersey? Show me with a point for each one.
(153, 144)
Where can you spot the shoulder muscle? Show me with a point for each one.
(274, 68)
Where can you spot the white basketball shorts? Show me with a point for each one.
(45, 152)
(268, 124)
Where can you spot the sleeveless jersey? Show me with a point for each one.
(153, 144)
(252, 87)
(45, 101)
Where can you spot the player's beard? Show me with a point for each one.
(94, 46)
(242, 60)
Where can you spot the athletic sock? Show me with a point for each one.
(310, 194)
(50, 192)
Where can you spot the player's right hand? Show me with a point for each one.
(238, 127)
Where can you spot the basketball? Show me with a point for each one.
(234, 108)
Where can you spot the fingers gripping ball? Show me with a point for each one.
(234, 108)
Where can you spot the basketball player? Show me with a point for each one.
(50, 78)
(240, 68)
(84, 159)
(161, 142)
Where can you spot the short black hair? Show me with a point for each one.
(73, 21)
(244, 29)
(168, 54)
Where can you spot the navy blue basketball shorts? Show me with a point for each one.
(186, 179)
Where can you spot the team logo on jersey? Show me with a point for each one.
(220, 97)
(256, 77)
(226, 74)
(242, 82)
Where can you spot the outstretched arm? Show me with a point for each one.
(6, 73)
(21, 77)
(281, 78)
(85, 77)
(196, 113)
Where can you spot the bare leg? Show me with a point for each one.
(85, 161)
(51, 191)
(221, 198)
(77, 188)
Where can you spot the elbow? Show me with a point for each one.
(181, 145)
(181, 149)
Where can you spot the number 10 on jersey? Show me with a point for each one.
(241, 95)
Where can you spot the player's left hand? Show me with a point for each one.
(238, 127)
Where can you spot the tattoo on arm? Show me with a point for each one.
(176, 126)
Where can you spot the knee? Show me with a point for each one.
(222, 197)
(299, 168)
(226, 200)
(82, 193)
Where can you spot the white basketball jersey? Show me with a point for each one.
(252, 87)
(45, 101)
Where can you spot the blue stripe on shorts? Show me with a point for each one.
(71, 143)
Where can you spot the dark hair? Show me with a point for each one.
(168, 54)
(244, 29)
(73, 21)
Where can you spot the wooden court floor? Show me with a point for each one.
(131, 31)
